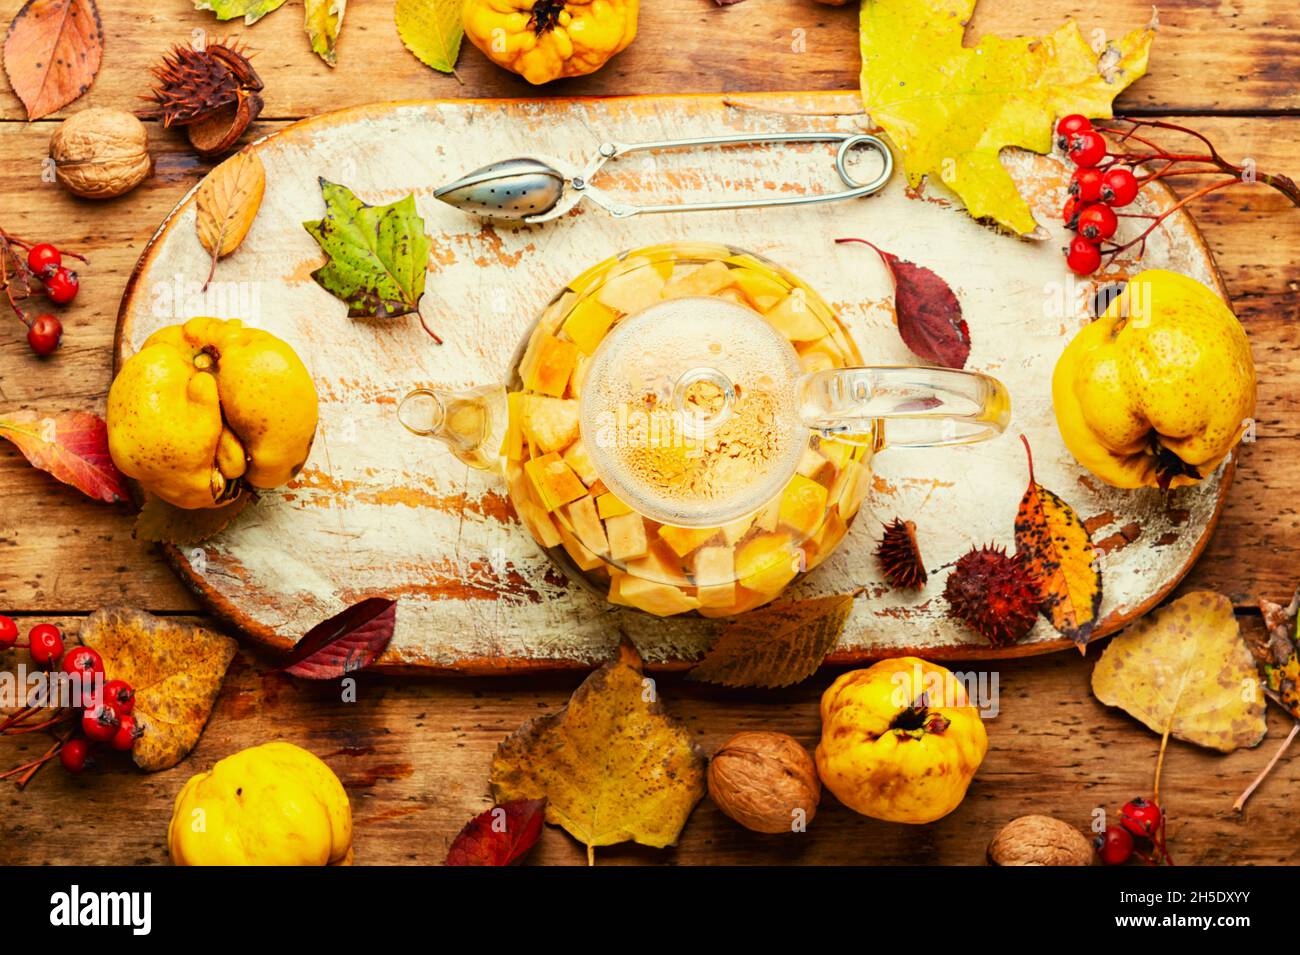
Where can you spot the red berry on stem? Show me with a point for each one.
(75, 756)
(1085, 184)
(1141, 817)
(119, 697)
(61, 287)
(8, 632)
(1082, 257)
(1067, 126)
(44, 334)
(85, 663)
(1119, 186)
(45, 642)
(1097, 222)
(99, 724)
(44, 259)
(128, 731)
(1070, 213)
(1115, 845)
(1087, 148)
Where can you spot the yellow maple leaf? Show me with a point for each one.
(612, 764)
(950, 109)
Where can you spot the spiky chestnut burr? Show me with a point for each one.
(995, 594)
(900, 558)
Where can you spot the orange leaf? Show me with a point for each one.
(1061, 555)
(71, 445)
(52, 53)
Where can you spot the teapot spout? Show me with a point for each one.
(472, 423)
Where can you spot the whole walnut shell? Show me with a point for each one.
(1040, 840)
(101, 153)
(762, 779)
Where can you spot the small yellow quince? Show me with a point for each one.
(1159, 389)
(544, 40)
(900, 741)
(274, 804)
(206, 407)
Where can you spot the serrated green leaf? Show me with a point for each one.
(324, 23)
(250, 10)
(432, 30)
(379, 255)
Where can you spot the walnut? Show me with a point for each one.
(765, 781)
(1040, 840)
(101, 153)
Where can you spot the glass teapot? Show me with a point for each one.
(688, 428)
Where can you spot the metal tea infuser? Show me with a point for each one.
(532, 190)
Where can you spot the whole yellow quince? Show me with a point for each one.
(900, 741)
(206, 407)
(274, 804)
(1159, 389)
(544, 40)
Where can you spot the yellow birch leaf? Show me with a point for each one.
(1185, 670)
(776, 646)
(1061, 555)
(176, 669)
(324, 24)
(432, 30)
(612, 764)
(228, 201)
(950, 109)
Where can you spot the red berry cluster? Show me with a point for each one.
(104, 714)
(1140, 833)
(25, 267)
(1095, 192)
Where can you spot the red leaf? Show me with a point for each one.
(501, 835)
(929, 315)
(345, 643)
(53, 52)
(72, 446)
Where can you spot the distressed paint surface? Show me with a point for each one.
(380, 511)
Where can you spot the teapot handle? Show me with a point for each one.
(471, 423)
(925, 407)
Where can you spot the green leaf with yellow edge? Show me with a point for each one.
(250, 10)
(778, 645)
(950, 109)
(1185, 670)
(176, 670)
(324, 22)
(432, 30)
(612, 765)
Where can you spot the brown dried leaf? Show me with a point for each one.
(168, 524)
(228, 201)
(176, 669)
(53, 52)
(1185, 670)
(612, 764)
(777, 645)
(1277, 655)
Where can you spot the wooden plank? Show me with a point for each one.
(694, 46)
(45, 560)
(414, 756)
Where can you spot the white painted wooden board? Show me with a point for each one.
(379, 511)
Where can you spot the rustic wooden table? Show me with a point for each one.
(414, 754)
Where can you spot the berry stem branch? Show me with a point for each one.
(1240, 804)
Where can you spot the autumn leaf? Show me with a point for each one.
(52, 53)
(324, 24)
(250, 10)
(432, 30)
(499, 836)
(72, 446)
(378, 254)
(345, 643)
(951, 109)
(777, 645)
(1062, 557)
(165, 523)
(228, 201)
(612, 765)
(176, 669)
(928, 313)
(1185, 671)
(1277, 655)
